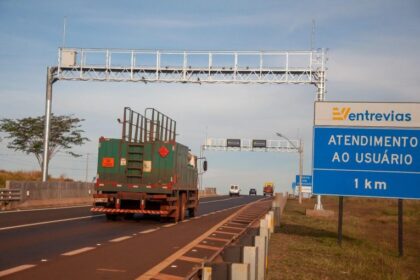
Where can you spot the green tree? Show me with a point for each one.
(27, 135)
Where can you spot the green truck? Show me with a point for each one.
(146, 171)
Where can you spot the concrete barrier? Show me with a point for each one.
(35, 194)
(207, 192)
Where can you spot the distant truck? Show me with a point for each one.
(268, 188)
(146, 171)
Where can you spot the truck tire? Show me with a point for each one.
(182, 206)
(191, 212)
(111, 217)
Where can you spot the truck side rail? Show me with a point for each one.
(153, 126)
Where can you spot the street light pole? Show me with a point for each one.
(300, 151)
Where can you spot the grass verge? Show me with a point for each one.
(306, 247)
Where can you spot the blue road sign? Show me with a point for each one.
(374, 162)
(306, 180)
(293, 186)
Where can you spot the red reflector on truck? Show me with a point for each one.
(107, 162)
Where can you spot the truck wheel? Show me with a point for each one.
(111, 217)
(182, 206)
(191, 212)
(128, 216)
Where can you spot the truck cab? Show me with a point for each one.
(268, 189)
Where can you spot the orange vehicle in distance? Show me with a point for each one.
(268, 188)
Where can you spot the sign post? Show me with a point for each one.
(367, 150)
(340, 219)
(400, 228)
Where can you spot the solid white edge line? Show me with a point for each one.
(15, 269)
(160, 266)
(78, 251)
(119, 239)
(50, 222)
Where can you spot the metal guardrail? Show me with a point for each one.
(248, 226)
(8, 195)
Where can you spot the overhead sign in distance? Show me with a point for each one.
(306, 180)
(367, 149)
(234, 143)
(259, 143)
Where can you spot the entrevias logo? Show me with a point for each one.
(345, 114)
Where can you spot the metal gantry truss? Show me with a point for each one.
(238, 67)
(220, 144)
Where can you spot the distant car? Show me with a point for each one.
(234, 190)
(252, 191)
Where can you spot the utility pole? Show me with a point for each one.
(87, 168)
(300, 150)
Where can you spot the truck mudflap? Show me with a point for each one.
(128, 211)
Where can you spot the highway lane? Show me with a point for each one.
(43, 242)
(24, 217)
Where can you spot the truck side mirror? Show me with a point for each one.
(205, 165)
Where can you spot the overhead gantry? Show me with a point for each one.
(200, 67)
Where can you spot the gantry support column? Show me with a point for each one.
(47, 121)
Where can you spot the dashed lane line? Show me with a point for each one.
(15, 269)
(149, 230)
(46, 209)
(169, 225)
(119, 239)
(78, 251)
(50, 222)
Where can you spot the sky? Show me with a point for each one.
(373, 55)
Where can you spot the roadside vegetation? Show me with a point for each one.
(25, 176)
(306, 247)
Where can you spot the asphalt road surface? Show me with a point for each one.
(71, 243)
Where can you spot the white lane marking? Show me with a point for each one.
(45, 209)
(78, 251)
(204, 202)
(169, 225)
(186, 220)
(119, 239)
(111, 270)
(50, 222)
(15, 269)
(149, 230)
